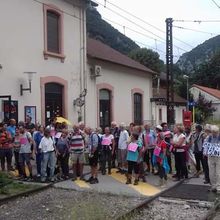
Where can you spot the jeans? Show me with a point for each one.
(106, 155)
(48, 159)
(6, 153)
(38, 162)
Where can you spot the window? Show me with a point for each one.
(53, 32)
(160, 114)
(138, 108)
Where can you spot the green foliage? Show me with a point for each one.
(208, 74)
(148, 58)
(204, 109)
(103, 31)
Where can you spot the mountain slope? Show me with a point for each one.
(190, 61)
(103, 31)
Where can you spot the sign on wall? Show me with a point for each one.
(30, 111)
(6, 109)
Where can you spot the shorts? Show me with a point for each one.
(122, 154)
(24, 157)
(93, 161)
(74, 158)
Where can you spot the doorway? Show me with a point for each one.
(53, 101)
(104, 108)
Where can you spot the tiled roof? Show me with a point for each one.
(163, 94)
(210, 91)
(98, 50)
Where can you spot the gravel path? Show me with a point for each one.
(169, 211)
(57, 204)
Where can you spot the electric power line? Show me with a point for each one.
(196, 21)
(215, 3)
(190, 29)
(162, 39)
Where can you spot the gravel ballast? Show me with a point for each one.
(56, 203)
(163, 210)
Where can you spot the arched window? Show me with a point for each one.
(138, 106)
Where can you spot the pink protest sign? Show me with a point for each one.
(106, 141)
(132, 147)
(23, 140)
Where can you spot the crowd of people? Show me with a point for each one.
(134, 151)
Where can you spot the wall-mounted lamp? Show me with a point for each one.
(30, 77)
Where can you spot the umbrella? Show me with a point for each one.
(63, 120)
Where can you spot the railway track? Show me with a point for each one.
(183, 194)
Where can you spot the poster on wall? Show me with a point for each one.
(14, 110)
(31, 112)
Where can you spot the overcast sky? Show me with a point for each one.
(155, 13)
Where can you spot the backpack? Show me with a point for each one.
(99, 147)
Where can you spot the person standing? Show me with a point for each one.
(108, 147)
(37, 138)
(25, 152)
(17, 146)
(62, 150)
(93, 142)
(178, 143)
(47, 149)
(5, 148)
(76, 149)
(122, 148)
(212, 151)
(197, 144)
(133, 156)
(115, 131)
(160, 154)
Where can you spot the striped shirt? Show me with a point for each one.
(76, 143)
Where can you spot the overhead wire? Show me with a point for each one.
(190, 29)
(215, 3)
(140, 19)
(161, 39)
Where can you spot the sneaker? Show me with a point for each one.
(90, 179)
(128, 181)
(206, 182)
(38, 175)
(74, 178)
(135, 182)
(94, 181)
(82, 178)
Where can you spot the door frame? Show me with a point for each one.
(109, 87)
(58, 80)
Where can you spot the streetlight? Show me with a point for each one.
(187, 88)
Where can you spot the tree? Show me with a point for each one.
(148, 58)
(204, 109)
(208, 74)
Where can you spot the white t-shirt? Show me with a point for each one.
(176, 139)
(46, 144)
(123, 139)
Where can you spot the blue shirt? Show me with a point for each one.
(133, 156)
(11, 130)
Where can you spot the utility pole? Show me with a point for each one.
(169, 68)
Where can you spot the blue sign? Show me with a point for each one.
(191, 103)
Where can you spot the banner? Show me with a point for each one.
(212, 149)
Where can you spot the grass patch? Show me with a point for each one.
(9, 187)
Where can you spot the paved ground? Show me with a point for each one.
(115, 184)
